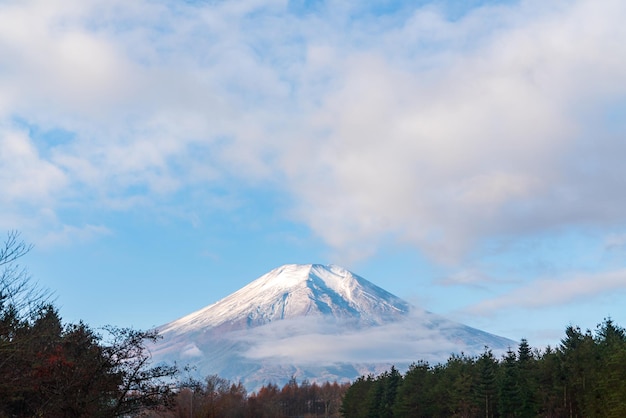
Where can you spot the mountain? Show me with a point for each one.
(294, 291)
(312, 322)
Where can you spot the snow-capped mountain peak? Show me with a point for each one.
(296, 290)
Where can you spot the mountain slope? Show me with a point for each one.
(297, 291)
(313, 322)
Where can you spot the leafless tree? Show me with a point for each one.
(19, 294)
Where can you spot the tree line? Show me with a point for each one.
(216, 397)
(585, 376)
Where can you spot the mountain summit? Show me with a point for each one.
(314, 322)
(297, 290)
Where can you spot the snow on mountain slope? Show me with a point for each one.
(294, 291)
(313, 322)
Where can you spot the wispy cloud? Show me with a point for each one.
(67, 234)
(551, 292)
(322, 342)
(615, 242)
(467, 277)
(26, 175)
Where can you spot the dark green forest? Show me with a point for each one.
(52, 369)
(585, 376)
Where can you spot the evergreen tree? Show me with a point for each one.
(486, 384)
(375, 399)
(456, 387)
(580, 364)
(413, 399)
(551, 385)
(527, 381)
(391, 383)
(611, 345)
(355, 402)
(509, 403)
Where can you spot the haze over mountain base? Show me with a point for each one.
(321, 323)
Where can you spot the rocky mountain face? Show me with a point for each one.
(320, 323)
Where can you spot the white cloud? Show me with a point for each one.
(26, 176)
(191, 351)
(467, 277)
(439, 134)
(68, 234)
(55, 64)
(488, 141)
(552, 292)
(316, 341)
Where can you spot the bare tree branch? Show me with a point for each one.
(17, 289)
(13, 248)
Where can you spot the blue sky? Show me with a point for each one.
(466, 156)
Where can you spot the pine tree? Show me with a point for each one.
(486, 388)
(390, 388)
(509, 388)
(527, 380)
(611, 344)
(375, 397)
(580, 363)
(413, 399)
(551, 384)
(355, 401)
(457, 386)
